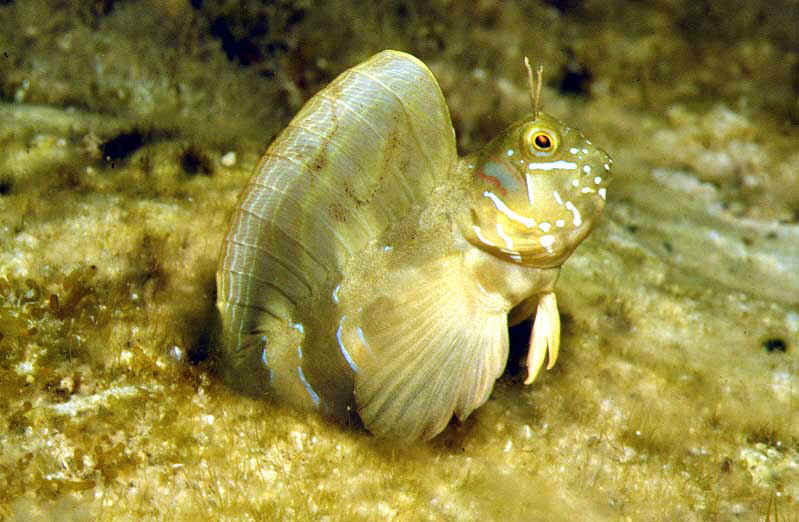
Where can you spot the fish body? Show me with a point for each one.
(369, 273)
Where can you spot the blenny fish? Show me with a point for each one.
(369, 273)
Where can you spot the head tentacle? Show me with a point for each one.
(534, 85)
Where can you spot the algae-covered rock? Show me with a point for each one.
(127, 130)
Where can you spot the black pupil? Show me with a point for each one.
(543, 141)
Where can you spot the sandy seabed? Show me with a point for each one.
(127, 130)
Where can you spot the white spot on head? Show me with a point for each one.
(547, 241)
(587, 169)
(506, 238)
(509, 152)
(530, 189)
(560, 223)
(597, 180)
(508, 212)
(556, 195)
(553, 165)
(513, 254)
(470, 166)
(602, 193)
(480, 236)
(578, 219)
(544, 226)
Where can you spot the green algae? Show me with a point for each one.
(667, 402)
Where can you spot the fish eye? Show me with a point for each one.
(540, 141)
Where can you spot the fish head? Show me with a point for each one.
(536, 191)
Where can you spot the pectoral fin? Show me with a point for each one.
(431, 345)
(545, 336)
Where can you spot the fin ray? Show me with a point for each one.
(435, 344)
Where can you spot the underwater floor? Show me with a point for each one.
(127, 130)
